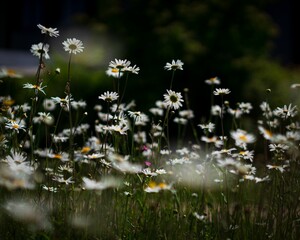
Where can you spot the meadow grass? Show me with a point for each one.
(136, 175)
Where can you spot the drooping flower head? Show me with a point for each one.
(173, 99)
(73, 45)
(52, 32)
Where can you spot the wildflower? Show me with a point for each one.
(154, 187)
(295, 85)
(213, 81)
(122, 164)
(173, 99)
(121, 129)
(52, 32)
(50, 189)
(131, 69)
(221, 91)
(119, 64)
(62, 180)
(236, 113)
(188, 114)
(242, 138)
(210, 127)
(181, 121)
(199, 217)
(49, 104)
(44, 117)
(114, 72)
(278, 148)
(12, 124)
(137, 116)
(73, 45)
(228, 162)
(213, 139)
(245, 107)
(265, 107)
(216, 110)
(174, 65)
(40, 49)
(276, 167)
(105, 183)
(286, 111)
(35, 87)
(109, 96)
(78, 104)
(157, 111)
(247, 155)
(64, 102)
(161, 104)
(4, 72)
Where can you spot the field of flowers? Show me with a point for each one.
(131, 175)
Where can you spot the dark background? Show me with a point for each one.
(250, 45)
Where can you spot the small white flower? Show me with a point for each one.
(174, 65)
(52, 32)
(35, 87)
(119, 64)
(40, 49)
(221, 91)
(109, 96)
(173, 99)
(213, 81)
(73, 45)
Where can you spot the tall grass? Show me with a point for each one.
(128, 177)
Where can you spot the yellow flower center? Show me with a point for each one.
(15, 126)
(85, 149)
(115, 70)
(57, 156)
(243, 138)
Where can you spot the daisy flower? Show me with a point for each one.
(242, 138)
(114, 72)
(49, 104)
(64, 102)
(213, 81)
(245, 107)
(119, 64)
(131, 69)
(44, 117)
(188, 114)
(210, 127)
(52, 32)
(5, 72)
(174, 65)
(100, 185)
(109, 96)
(173, 99)
(221, 91)
(286, 111)
(73, 45)
(12, 124)
(35, 87)
(40, 49)
(137, 116)
(182, 121)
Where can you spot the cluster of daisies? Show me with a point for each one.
(129, 141)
